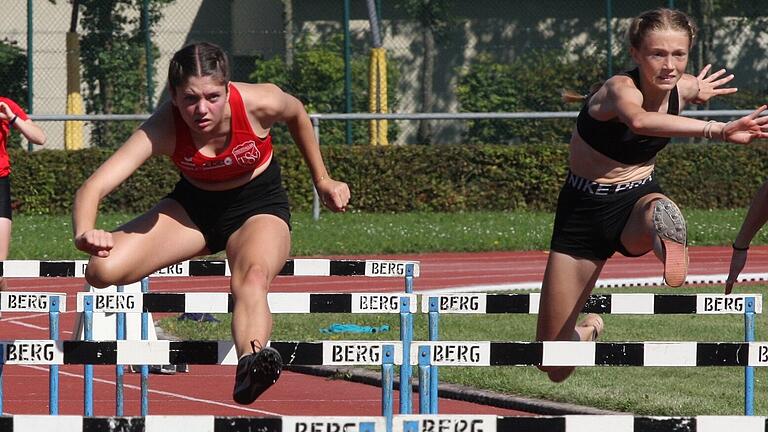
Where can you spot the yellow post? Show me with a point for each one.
(377, 100)
(382, 93)
(73, 130)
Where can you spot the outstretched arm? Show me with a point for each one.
(620, 98)
(757, 216)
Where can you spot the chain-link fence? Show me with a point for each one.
(442, 55)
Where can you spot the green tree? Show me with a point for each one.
(729, 23)
(316, 77)
(114, 62)
(434, 18)
(533, 82)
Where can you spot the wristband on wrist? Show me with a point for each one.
(740, 249)
(13, 120)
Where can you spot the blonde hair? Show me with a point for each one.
(572, 96)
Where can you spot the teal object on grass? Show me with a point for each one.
(353, 328)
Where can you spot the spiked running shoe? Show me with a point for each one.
(256, 372)
(669, 224)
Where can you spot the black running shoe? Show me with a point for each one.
(255, 374)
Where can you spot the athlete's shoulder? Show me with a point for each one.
(257, 91)
(264, 100)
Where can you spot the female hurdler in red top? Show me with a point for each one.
(229, 197)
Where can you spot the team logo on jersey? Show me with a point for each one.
(246, 153)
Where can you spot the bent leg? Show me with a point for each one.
(257, 252)
(568, 281)
(657, 223)
(160, 237)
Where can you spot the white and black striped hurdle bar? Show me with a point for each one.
(373, 353)
(639, 304)
(223, 302)
(470, 303)
(401, 423)
(293, 267)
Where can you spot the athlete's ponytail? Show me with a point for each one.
(572, 96)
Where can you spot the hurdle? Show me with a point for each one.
(497, 346)
(88, 303)
(439, 353)
(53, 304)
(121, 303)
(401, 423)
(636, 304)
(192, 268)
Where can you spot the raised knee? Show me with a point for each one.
(102, 273)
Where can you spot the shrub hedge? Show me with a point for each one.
(412, 178)
(534, 82)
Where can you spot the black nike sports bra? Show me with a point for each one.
(615, 140)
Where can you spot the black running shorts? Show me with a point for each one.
(5, 197)
(588, 223)
(218, 214)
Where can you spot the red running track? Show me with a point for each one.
(207, 389)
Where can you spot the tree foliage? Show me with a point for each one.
(435, 18)
(316, 77)
(533, 82)
(434, 14)
(112, 50)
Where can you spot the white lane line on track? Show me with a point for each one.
(38, 315)
(165, 393)
(23, 324)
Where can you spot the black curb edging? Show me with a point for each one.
(458, 392)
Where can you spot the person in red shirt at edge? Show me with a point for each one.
(229, 197)
(11, 117)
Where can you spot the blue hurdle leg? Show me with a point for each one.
(144, 368)
(425, 390)
(88, 369)
(749, 371)
(387, 384)
(434, 319)
(119, 369)
(53, 370)
(406, 336)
